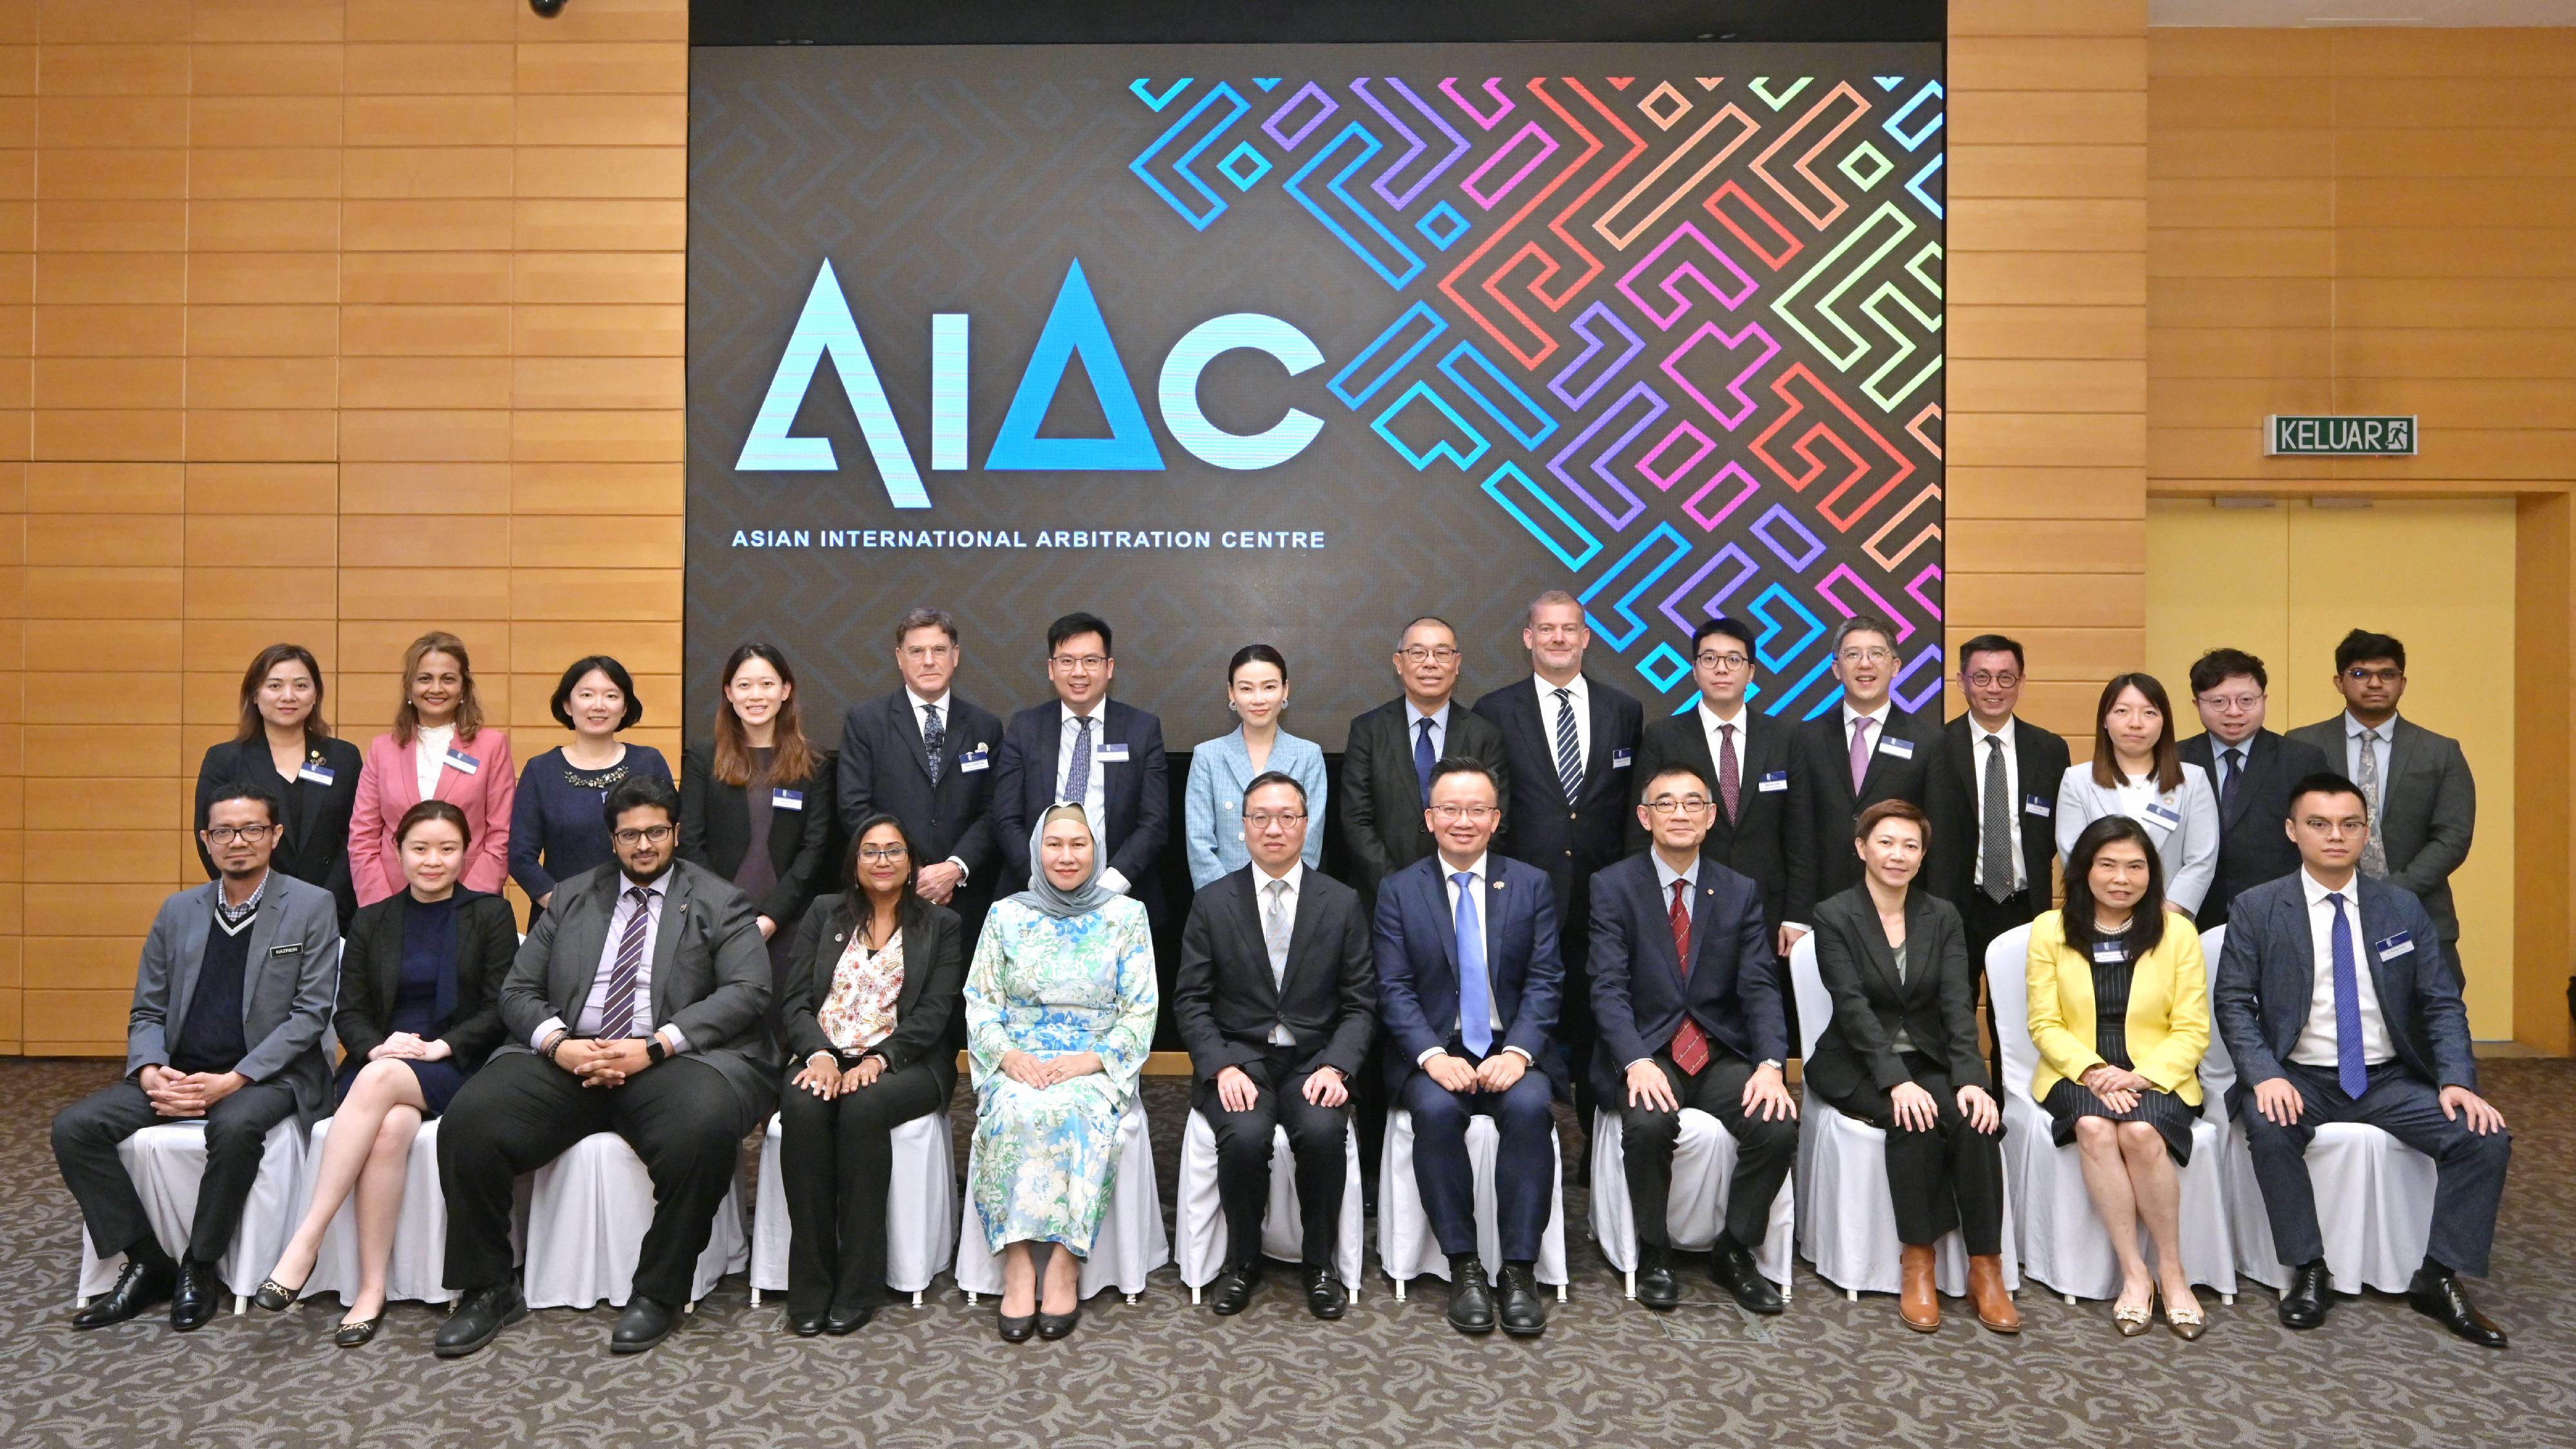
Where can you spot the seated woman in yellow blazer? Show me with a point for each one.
(2119, 1010)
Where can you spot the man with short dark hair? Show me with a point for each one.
(1091, 750)
(1992, 796)
(1867, 749)
(924, 754)
(2251, 769)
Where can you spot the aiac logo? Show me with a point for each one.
(1074, 326)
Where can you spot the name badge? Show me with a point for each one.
(2037, 805)
(1898, 746)
(2397, 945)
(1109, 754)
(298, 949)
(315, 771)
(2109, 953)
(2166, 813)
(462, 763)
(1777, 780)
(786, 799)
(973, 760)
(1622, 759)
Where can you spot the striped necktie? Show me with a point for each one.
(617, 1012)
(1569, 749)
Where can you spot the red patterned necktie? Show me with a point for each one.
(1690, 1044)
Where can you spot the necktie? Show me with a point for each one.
(2235, 781)
(1274, 930)
(1994, 841)
(934, 739)
(2374, 853)
(617, 1011)
(1860, 751)
(1422, 759)
(1475, 1006)
(1730, 782)
(1569, 750)
(1077, 775)
(1690, 1044)
(2351, 1073)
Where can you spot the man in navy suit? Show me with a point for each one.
(1468, 978)
(2338, 1004)
(924, 754)
(1686, 991)
(2251, 768)
(1087, 748)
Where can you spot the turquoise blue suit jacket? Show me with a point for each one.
(1212, 824)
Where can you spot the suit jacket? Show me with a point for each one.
(2428, 809)
(287, 984)
(1567, 839)
(1769, 839)
(487, 937)
(1417, 963)
(885, 767)
(1936, 1004)
(1900, 773)
(2267, 976)
(1212, 802)
(1639, 991)
(1381, 796)
(1134, 792)
(1950, 868)
(926, 1016)
(2253, 845)
(2182, 821)
(316, 848)
(1225, 1003)
(390, 785)
(710, 974)
(715, 832)
(2167, 1024)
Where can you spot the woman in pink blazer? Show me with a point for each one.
(437, 749)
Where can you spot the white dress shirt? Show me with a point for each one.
(1484, 922)
(1263, 883)
(1981, 755)
(1579, 698)
(2317, 1042)
(1719, 748)
(2378, 740)
(2136, 793)
(588, 1022)
(1878, 724)
(1665, 875)
(921, 709)
(1095, 796)
(429, 755)
(1413, 718)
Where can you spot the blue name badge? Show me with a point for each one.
(1775, 781)
(1622, 759)
(315, 771)
(2109, 953)
(1898, 746)
(462, 763)
(786, 799)
(973, 760)
(2397, 945)
(2166, 813)
(2038, 805)
(1109, 754)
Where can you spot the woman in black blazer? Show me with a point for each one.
(1901, 1054)
(756, 802)
(420, 985)
(871, 1008)
(283, 744)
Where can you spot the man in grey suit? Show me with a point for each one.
(634, 1007)
(2423, 805)
(2338, 1003)
(230, 999)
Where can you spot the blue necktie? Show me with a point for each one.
(1077, 771)
(2350, 1071)
(1422, 760)
(1475, 1010)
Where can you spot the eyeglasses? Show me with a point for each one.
(1688, 804)
(1078, 663)
(654, 834)
(1452, 814)
(2333, 829)
(874, 853)
(1732, 659)
(1264, 819)
(2231, 703)
(1858, 655)
(2359, 675)
(246, 834)
(1986, 679)
(1419, 655)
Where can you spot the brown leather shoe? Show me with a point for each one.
(1918, 1303)
(1986, 1289)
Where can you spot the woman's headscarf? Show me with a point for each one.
(1043, 895)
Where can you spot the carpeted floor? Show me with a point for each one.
(1162, 1373)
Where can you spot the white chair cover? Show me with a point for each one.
(2374, 1193)
(1846, 1218)
(587, 1212)
(921, 1209)
(1703, 1169)
(417, 1270)
(165, 1160)
(1202, 1247)
(1130, 1244)
(1406, 1248)
(2062, 1242)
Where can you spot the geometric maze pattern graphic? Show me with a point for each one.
(1685, 331)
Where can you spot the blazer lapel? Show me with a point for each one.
(1247, 897)
(1918, 921)
(907, 722)
(916, 952)
(1301, 935)
(1597, 764)
(666, 941)
(190, 954)
(1959, 748)
(2401, 744)
(582, 937)
(406, 773)
(263, 934)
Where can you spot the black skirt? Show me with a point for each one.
(2170, 1115)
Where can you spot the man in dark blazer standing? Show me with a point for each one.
(1277, 999)
(1468, 982)
(634, 1007)
(1571, 742)
(1094, 751)
(1865, 750)
(2340, 1003)
(1687, 993)
(2251, 768)
(1387, 759)
(924, 755)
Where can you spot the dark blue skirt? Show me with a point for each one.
(438, 1081)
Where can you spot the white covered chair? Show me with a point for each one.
(587, 1213)
(1131, 1242)
(417, 1270)
(2061, 1241)
(166, 1160)
(1703, 1168)
(1406, 1247)
(2374, 1193)
(921, 1210)
(1203, 1242)
(1846, 1219)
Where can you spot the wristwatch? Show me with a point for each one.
(654, 1051)
(555, 1044)
(1768, 1062)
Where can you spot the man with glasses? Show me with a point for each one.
(2423, 804)
(1687, 993)
(1093, 751)
(634, 1007)
(1993, 801)
(230, 999)
(2251, 768)
(924, 754)
(1277, 1000)
(1866, 749)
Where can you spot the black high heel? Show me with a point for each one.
(1059, 1325)
(1015, 1330)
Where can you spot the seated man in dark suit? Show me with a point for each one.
(230, 999)
(634, 1007)
(1277, 999)
(1685, 988)
(2251, 768)
(1087, 748)
(1468, 978)
(924, 755)
(2338, 1003)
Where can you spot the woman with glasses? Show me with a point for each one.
(438, 749)
(756, 802)
(283, 743)
(871, 994)
(1257, 691)
(556, 831)
(2137, 770)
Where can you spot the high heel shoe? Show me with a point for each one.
(2187, 1323)
(1015, 1329)
(357, 1335)
(2133, 1319)
(276, 1297)
(1059, 1325)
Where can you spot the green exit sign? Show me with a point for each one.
(2338, 435)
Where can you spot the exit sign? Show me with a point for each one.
(2338, 435)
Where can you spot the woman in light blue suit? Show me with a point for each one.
(2138, 771)
(1256, 686)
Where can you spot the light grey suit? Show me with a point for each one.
(2183, 823)
(2428, 809)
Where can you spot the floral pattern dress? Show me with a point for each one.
(1044, 1159)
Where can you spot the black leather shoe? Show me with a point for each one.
(2444, 1301)
(138, 1286)
(1656, 1285)
(805, 1325)
(1731, 1264)
(839, 1323)
(1325, 1298)
(1471, 1297)
(199, 1294)
(645, 1322)
(358, 1335)
(1015, 1330)
(1232, 1291)
(479, 1319)
(1524, 1311)
(2304, 1302)
(1059, 1325)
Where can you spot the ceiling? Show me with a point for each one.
(2361, 12)
(1129, 22)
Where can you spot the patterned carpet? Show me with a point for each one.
(1159, 1372)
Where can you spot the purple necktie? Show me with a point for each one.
(2351, 1072)
(617, 1012)
(1860, 751)
(1730, 785)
